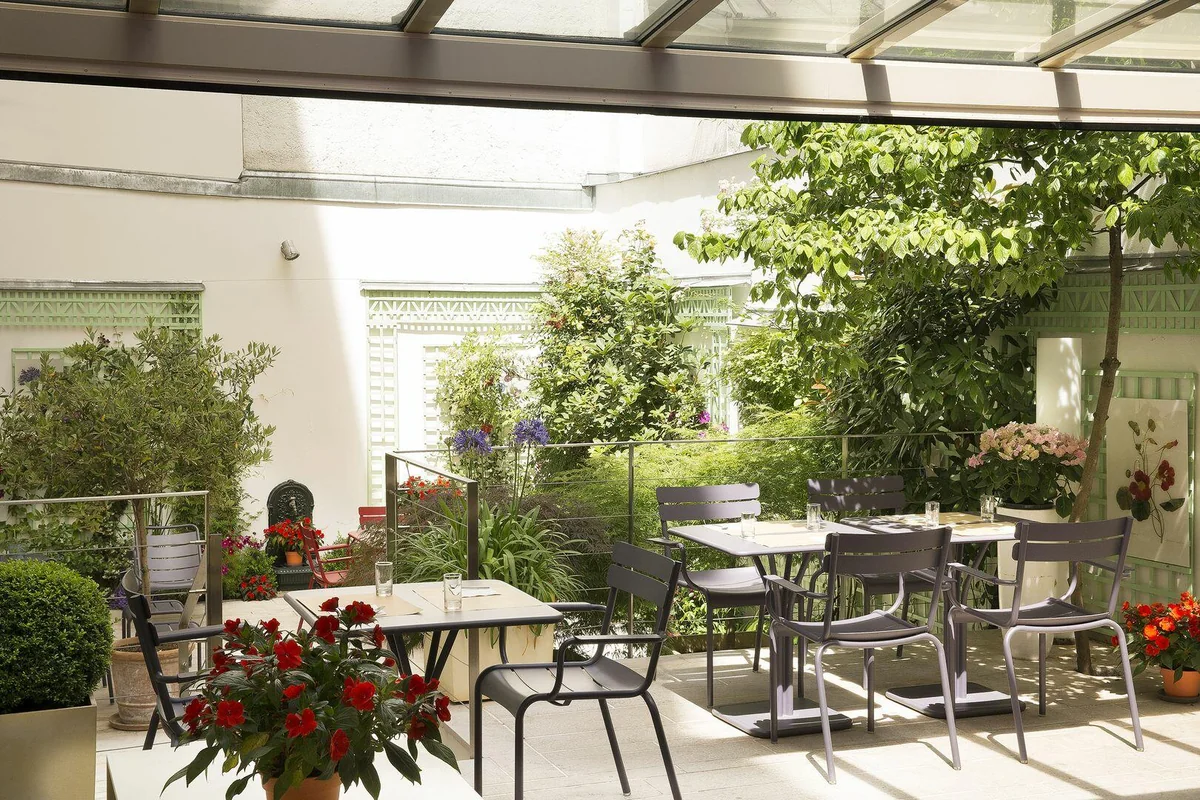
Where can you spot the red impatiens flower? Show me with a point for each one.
(1151, 650)
(271, 626)
(301, 724)
(233, 626)
(230, 713)
(359, 694)
(360, 613)
(330, 605)
(416, 729)
(389, 662)
(339, 745)
(293, 691)
(221, 662)
(324, 628)
(442, 706)
(416, 687)
(379, 637)
(194, 714)
(1162, 643)
(1139, 487)
(287, 654)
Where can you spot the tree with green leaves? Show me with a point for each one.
(840, 212)
(612, 364)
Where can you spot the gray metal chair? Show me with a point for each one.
(174, 555)
(733, 587)
(1090, 543)
(858, 495)
(647, 576)
(899, 555)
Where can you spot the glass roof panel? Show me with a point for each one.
(107, 4)
(790, 26)
(567, 19)
(358, 13)
(1172, 43)
(1001, 30)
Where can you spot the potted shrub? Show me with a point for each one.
(287, 537)
(307, 713)
(1168, 637)
(57, 636)
(1032, 470)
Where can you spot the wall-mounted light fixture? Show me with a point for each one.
(290, 253)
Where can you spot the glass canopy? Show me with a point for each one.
(1173, 43)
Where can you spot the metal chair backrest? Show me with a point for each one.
(856, 495)
(706, 503)
(147, 634)
(174, 556)
(312, 552)
(899, 554)
(1073, 542)
(649, 577)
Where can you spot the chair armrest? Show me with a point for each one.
(971, 572)
(669, 544)
(792, 588)
(567, 608)
(342, 546)
(560, 661)
(1127, 572)
(188, 677)
(191, 634)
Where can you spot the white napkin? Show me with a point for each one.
(478, 591)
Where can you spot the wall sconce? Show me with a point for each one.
(290, 253)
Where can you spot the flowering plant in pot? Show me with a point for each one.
(1166, 636)
(1030, 465)
(287, 537)
(312, 710)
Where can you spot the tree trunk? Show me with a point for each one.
(142, 543)
(1108, 382)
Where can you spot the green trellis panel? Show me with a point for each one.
(1152, 302)
(1152, 581)
(99, 308)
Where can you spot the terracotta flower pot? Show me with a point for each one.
(131, 684)
(1187, 686)
(293, 558)
(309, 789)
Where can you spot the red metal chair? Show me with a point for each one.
(328, 570)
(371, 515)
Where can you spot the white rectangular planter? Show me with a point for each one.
(1042, 579)
(523, 648)
(49, 754)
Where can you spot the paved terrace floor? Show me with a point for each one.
(1081, 749)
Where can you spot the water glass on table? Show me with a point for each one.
(383, 578)
(748, 524)
(813, 523)
(932, 513)
(452, 591)
(987, 507)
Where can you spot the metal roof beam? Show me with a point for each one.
(889, 27)
(422, 16)
(141, 6)
(1103, 28)
(663, 29)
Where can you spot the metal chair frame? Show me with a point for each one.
(318, 561)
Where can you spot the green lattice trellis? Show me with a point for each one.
(1151, 580)
(1151, 303)
(99, 307)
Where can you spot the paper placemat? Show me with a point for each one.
(961, 523)
(798, 538)
(498, 599)
(384, 606)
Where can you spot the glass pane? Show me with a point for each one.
(570, 19)
(1000, 30)
(118, 5)
(791, 26)
(1173, 43)
(366, 13)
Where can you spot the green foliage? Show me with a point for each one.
(171, 412)
(242, 564)
(477, 387)
(612, 365)
(767, 371)
(515, 547)
(88, 538)
(57, 637)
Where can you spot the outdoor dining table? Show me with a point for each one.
(417, 608)
(785, 540)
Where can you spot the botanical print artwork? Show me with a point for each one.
(1148, 476)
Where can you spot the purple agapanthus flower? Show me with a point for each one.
(531, 431)
(472, 440)
(703, 418)
(29, 375)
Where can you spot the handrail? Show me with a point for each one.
(471, 486)
(105, 498)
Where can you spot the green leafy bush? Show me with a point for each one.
(56, 635)
(242, 564)
(477, 387)
(90, 539)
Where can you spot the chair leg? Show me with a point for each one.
(152, 731)
(519, 755)
(758, 633)
(112, 698)
(1133, 709)
(947, 701)
(869, 671)
(1014, 696)
(1041, 674)
(802, 662)
(662, 745)
(773, 672)
(616, 749)
(830, 773)
(903, 615)
(477, 736)
(710, 645)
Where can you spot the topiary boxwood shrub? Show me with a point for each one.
(56, 636)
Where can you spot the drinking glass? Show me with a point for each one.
(748, 523)
(814, 517)
(383, 578)
(452, 591)
(932, 512)
(987, 507)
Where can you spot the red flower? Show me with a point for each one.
(230, 714)
(339, 745)
(486, 428)
(233, 626)
(330, 605)
(359, 694)
(1139, 487)
(442, 705)
(1114, 641)
(360, 613)
(414, 688)
(417, 729)
(1125, 606)
(194, 714)
(1162, 643)
(378, 635)
(293, 691)
(287, 654)
(1143, 610)
(1151, 650)
(301, 724)
(324, 628)
(389, 662)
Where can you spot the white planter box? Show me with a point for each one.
(523, 648)
(49, 755)
(1041, 580)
